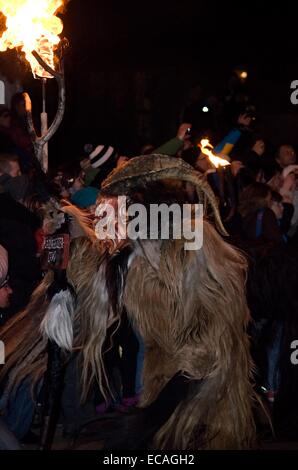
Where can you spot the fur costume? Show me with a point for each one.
(189, 306)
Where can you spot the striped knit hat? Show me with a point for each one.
(101, 155)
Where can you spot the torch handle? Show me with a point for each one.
(221, 178)
(44, 95)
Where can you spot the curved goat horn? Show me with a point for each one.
(143, 170)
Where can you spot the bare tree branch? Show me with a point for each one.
(61, 104)
(61, 108)
(39, 142)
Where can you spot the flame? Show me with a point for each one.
(206, 149)
(32, 25)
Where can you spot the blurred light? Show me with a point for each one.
(243, 75)
(205, 109)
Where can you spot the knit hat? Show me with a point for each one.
(289, 169)
(101, 154)
(3, 265)
(85, 197)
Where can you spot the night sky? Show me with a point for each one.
(174, 45)
(159, 32)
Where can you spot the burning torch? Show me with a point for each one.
(224, 178)
(34, 27)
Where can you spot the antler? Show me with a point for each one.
(143, 170)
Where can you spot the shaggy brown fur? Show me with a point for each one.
(189, 306)
(93, 313)
(25, 348)
(192, 314)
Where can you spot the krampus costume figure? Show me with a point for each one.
(189, 307)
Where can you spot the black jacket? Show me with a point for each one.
(17, 227)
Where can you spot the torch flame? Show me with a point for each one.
(32, 25)
(206, 149)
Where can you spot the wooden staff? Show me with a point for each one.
(39, 142)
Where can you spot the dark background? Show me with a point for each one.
(132, 65)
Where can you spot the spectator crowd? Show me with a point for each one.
(258, 199)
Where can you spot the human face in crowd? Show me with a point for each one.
(5, 293)
(202, 163)
(286, 156)
(15, 169)
(78, 183)
(58, 177)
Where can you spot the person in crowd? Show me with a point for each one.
(259, 222)
(285, 156)
(77, 182)
(286, 183)
(11, 178)
(19, 131)
(17, 228)
(14, 136)
(227, 144)
(252, 158)
(283, 212)
(6, 142)
(85, 198)
(101, 161)
(178, 143)
(7, 439)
